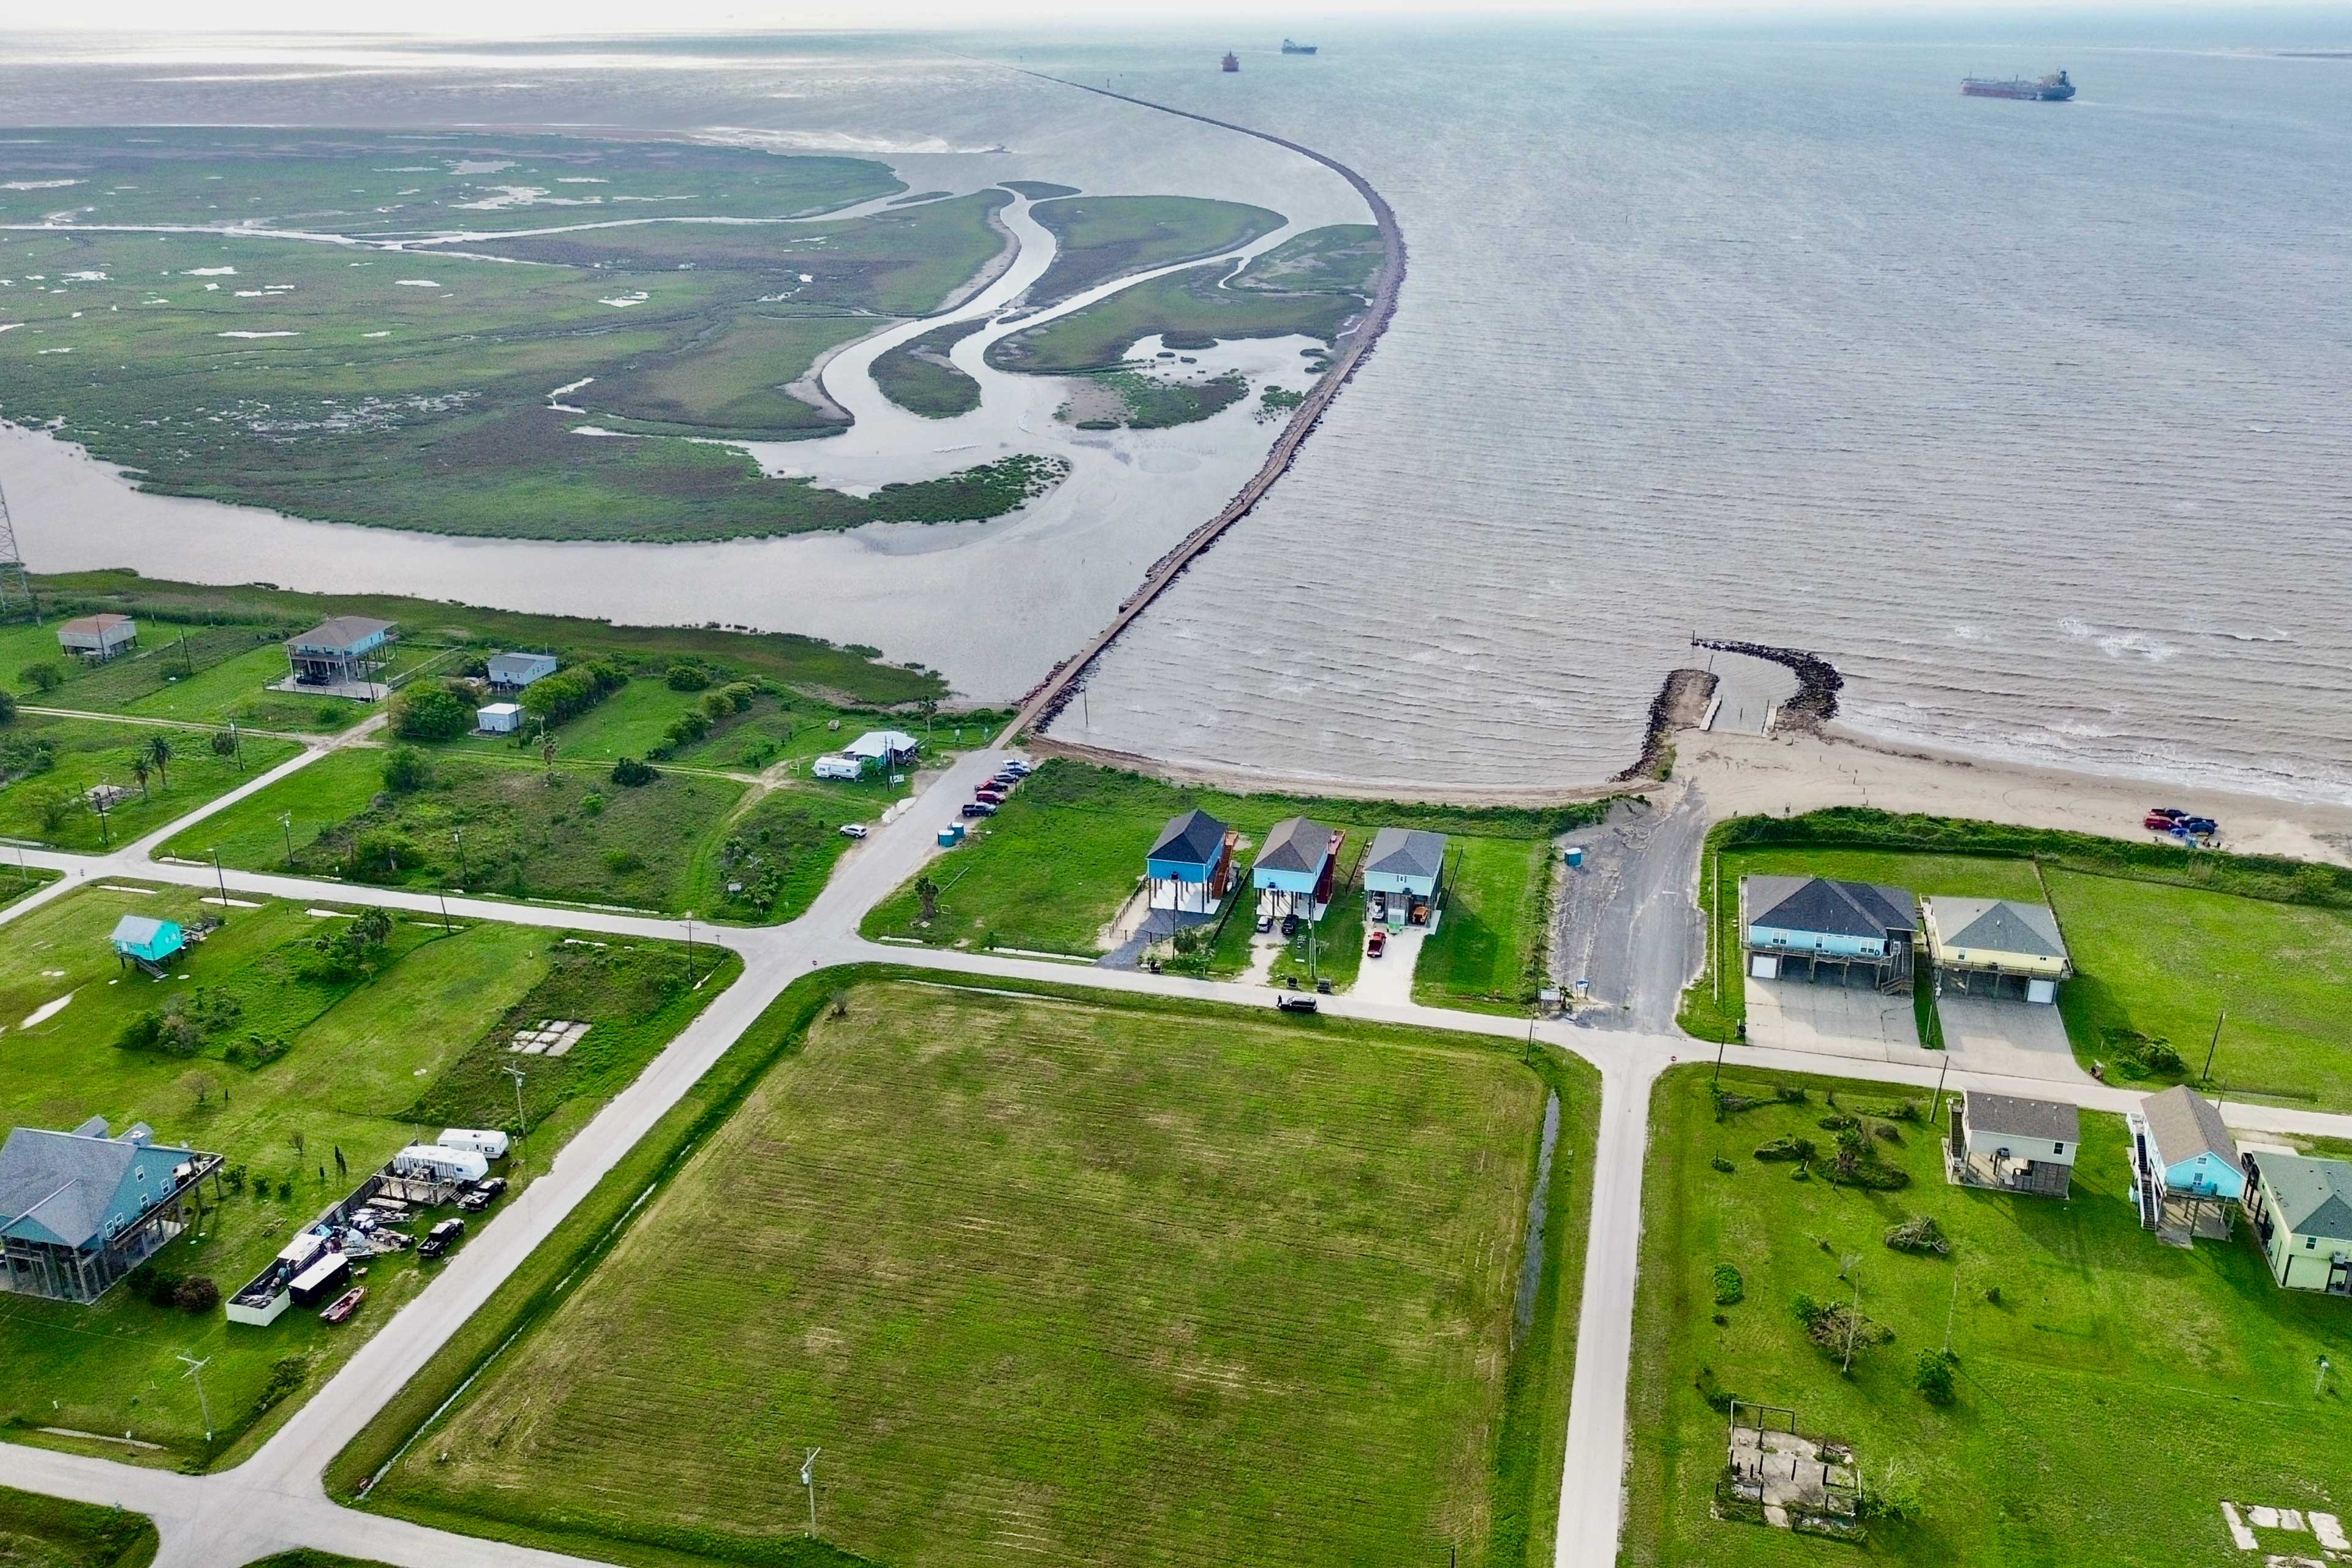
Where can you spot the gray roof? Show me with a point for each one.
(1295, 844)
(1833, 909)
(1192, 838)
(343, 631)
(138, 930)
(2183, 1124)
(519, 662)
(1998, 925)
(1406, 852)
(2038, 1119)
(2312, 1197)
(64, 1183)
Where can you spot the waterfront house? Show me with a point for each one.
(2302, 1210)
(2184, 1169)
(1996, 947)
(98, 638)
(1813, 928)
(137, 938)
(1294, 866)
(340, 658)
(513, 671)
(1189, 867)
(79, 1210)
(2016, 1144)
(1401, 871)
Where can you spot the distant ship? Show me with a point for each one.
(1231, 62)
(2049, 90)
(1290, 48)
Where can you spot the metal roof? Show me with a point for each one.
(1832, 908)
(57, 1186)
(2311, 1197)
(2183, 1124)
(881, 743)
(138, 931)
(1295, 844)
(1406, 852)
(342, 632)
(2038, 1119)
(1194, 838)
(1998, 925)
(98, 623)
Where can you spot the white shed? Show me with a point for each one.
(513, 671)
(498, 719)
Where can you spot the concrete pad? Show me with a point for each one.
(2021, 1040)
(1389, 977)
(1856, 1022)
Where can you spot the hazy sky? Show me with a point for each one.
(514, 18)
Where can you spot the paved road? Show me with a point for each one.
(275, 1500)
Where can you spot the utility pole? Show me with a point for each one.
(222, 883)
(2320, 1383)
(196, 1371)
(445, 927)
(286, 825)
(2207, 1076)
(689, 948)
(13, 574)
(522, 1128)
(1954, 1306)
(457, 836)
(808, 1480)
(1936, 1112)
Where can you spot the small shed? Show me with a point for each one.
(98, 638)
(1189, 867)
(1814, 928)
(141, 940)
(513, 671)
(1295, 868)
(2017, 1144)
(2184, 1169)
(498, 719)
(890, 747)
(1401, 875)
(837, 767)
(1996, 947)
(2301, 1211)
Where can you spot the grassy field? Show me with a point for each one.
(414, 389)
(1274, 1229)
(351, 1064)
(856, 676)
(1488, 946)
(49, 763)
(918, 376)
(1050, 870)
(2152, 957)
(1103, 237)
(38, 1532)
(1310, 286)
(2112, 1392)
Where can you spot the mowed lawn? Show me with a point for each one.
(2109, 1399)
(368, 1062)
(1050, 1281)
(37, 1531)
(49, 804)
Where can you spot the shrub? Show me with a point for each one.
(1931, 1374)
(1798, 1149)
(1720, 1163)
(182, 1025)
(286, 1374)
(2140, 1055)
(572, 691)
(1871, 1175)
(631, 773)
(7, 707)
(717, 706)
(224, 742)
(197, 1294)
(44, 676)
(1992, 1295)
(252, 1053)
(432, 713)
(687, 728)
(621, 862)
(1729, 1287)
(1894, 1497)
(405, 770)
(592, 804)
(1717, 1397)
(384, 853)
(1920, 1233)
(1836, 1123)
(156, 1286)
(687, 675)
(739, 694)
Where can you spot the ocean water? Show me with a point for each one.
(2028, 416)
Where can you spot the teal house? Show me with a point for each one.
(143, 940)
(79, 1210)
(1814, 928)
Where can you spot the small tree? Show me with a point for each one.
(224, 742)
(42, 676)
(7, 706)
(197, 1294)
(1931, 1374)
(160, 752)
(199, 1087)
(928, 891)
(406, 770)
(140, 769)
(631, 773)
(688, 676)
(432, 713)
(372, 928)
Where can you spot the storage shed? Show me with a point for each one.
(1996, 947)
(498, 719)
(98, 638)
(513, 671)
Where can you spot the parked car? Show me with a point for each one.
(441, 1238)
(1380, 907)
(2155, 824)
(483, 1194)
(1006, 781)
(990, 796)
(978, 809)
(1265, 924)
(1290, 925)
(855, 830)
(343, 1306)
(1377, 945)
(1019, 769)
(2169, 812)
(2200, 825)
(1289, 1004)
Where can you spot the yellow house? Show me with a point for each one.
(1995, 947)
(2302, 1209)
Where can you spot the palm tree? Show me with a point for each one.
(159, 751)
(138, 771)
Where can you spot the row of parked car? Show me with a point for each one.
(2179, 823)
(989, 796)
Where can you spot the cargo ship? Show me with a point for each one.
(2049, 90)
(1290, 48)
(1231, 62)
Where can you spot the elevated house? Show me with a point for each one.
(98, 638)
(1811, 928)
(2302, 1212)
(513, 671)
(1401, 873)
(1995, 947)
(145, 941)
(341, 657)
(2186, 1178)
(2015, 1144)
(1294, 868)
(1190, 868)
(79, 1210)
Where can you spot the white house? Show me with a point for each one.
(513, 671)
(498, 719)
(2021, 1145)
(98, 638)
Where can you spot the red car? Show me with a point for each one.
(989, 796)
(1377, 945)
(2155, 824)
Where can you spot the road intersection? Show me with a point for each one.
(275, 1500)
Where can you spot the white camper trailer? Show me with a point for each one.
(435, 1163)
(489, 1143)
